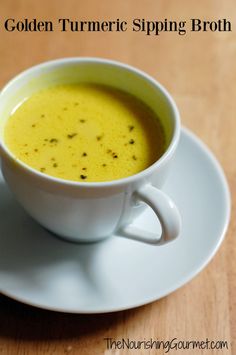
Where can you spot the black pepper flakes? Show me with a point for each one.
(42, 170)
(36, 150)
(82, 121)
(84, 168)
(55, 165)
(104, 165)
(72, 135)
(131, 141)
(53, 140)
(83, 177)
(33, 125)
(134, 157)
(84, 154)
(131, 128)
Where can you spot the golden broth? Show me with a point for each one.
(85, 132)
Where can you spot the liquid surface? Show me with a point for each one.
(85, 132)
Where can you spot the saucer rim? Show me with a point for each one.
(184, 280)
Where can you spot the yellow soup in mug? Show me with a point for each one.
(85, 132)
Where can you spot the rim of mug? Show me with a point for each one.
(110, 183)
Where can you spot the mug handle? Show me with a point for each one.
(165, 210)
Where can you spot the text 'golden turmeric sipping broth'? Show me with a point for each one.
(85, 132)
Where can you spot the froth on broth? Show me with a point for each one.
(85, 132)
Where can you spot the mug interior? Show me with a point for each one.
(90, 70)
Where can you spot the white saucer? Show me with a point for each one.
(41, 270)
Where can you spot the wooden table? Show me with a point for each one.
(199, 69)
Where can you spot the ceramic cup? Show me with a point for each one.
(91, 211)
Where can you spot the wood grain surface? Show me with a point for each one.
(199, 69)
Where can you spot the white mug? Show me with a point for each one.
(92, 211)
